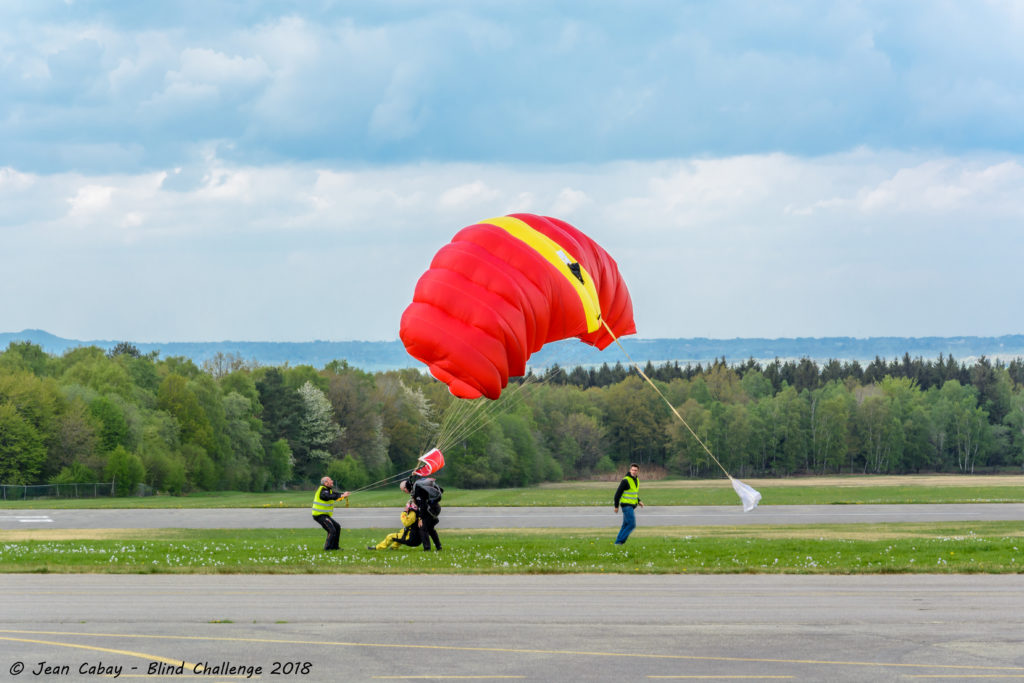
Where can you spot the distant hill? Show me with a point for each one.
(389, 355)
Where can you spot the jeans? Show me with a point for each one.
(628, 523)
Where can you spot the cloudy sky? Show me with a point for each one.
(204, 171)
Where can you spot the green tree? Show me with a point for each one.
(282, 407)
(22, 451)
(75, 440)
(724, 385)
(531, 463)
(755, 385)
(635, 418)
(160, 453)
(113, 428)
(790, 414)
(38, 402)
(878, 430)
(907, 404)
(561, 416)
(180, 365)
(317, 432)
(1014, 421)
(211, 400)
(407, 418)
(90, 367)
(242, 382)
(177, 398)
(244, 444)
(279, 463)
(830, 411)
(200, 470)
(27, 357)
(993, 388)
(143, 374)
(125, 470)
(348, 473)
(481, 460)
(968, 424)
(351, 393)
(587, 438)
(763, 433)
(729, 437)
(77, 473)
(686, 456)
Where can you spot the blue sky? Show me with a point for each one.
(284, 170)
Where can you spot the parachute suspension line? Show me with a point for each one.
(469, 416)
(463, 420)
(456, 421)
(466, 419)
(663, 398)
(384, 482)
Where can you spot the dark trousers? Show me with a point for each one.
(428, 532)
(332, 528)
(410, 536)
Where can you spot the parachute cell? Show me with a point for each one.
(503, 288)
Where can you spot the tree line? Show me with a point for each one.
(124, 416)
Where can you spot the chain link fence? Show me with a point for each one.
(30, 491)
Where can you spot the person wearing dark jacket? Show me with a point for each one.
(627, 496)
(323, 511)
(428, 507)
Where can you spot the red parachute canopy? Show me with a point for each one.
(503, 288)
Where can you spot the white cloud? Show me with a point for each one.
(560, 83)
(90, 199)
(947, 187)
(569, 201)
(201, 65)
(476, 192)
(865, 243)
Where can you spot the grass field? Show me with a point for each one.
(851, 490)
(969, 547)
(986, 547)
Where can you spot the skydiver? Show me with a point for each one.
(409, 535)
(323, 511)
(427, 495)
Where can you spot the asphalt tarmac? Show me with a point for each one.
(509, 517)
(529, 628)
(85, 627)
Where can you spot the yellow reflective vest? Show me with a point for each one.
(631, 496)
(322, 507)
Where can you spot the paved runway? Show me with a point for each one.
(512, 517)
(533, 628)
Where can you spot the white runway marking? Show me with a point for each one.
(28, 519)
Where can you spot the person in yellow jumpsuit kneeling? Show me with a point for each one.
(409, 535)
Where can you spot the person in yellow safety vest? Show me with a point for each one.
(323, 511)
(628, 497)
(409, 535)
